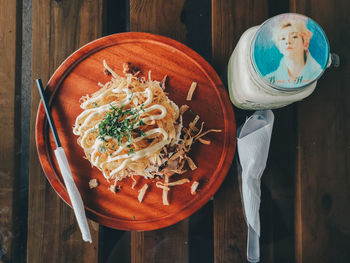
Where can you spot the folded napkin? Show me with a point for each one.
(253, 142)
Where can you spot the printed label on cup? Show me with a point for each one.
(289, 51)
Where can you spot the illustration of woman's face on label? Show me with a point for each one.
(290, 42)
(282, 52)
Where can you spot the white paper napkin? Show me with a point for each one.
(253, 142)
(74, 195)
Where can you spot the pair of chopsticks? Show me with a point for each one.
(74, 195)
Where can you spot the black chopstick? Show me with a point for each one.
(48, 113)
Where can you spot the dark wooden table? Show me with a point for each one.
(305, 209)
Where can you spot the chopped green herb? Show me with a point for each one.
(102, 139)
(141, 107)
(131, 151)
(102, 149)
(141, 122)
(140, 133)
(95, 104)
(119, 123)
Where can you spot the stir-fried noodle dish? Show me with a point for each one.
(130, 128)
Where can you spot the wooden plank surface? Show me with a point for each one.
(170, 244)
(158, 17)
(59, 28)
(305, 197)
(278, 190)
(10, 83)
(229, 20)
(323, 214)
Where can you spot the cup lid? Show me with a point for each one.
(289, 51)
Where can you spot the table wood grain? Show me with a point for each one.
(163, 18)
(229, 20)
(305, 198)
(9, 124)
(323, 147)
(59, 28)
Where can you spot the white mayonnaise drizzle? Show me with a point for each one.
(98, 110)
(89, 114)
(138, 154)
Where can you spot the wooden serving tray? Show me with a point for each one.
(79, 74)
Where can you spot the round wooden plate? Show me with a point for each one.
(79, 74)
